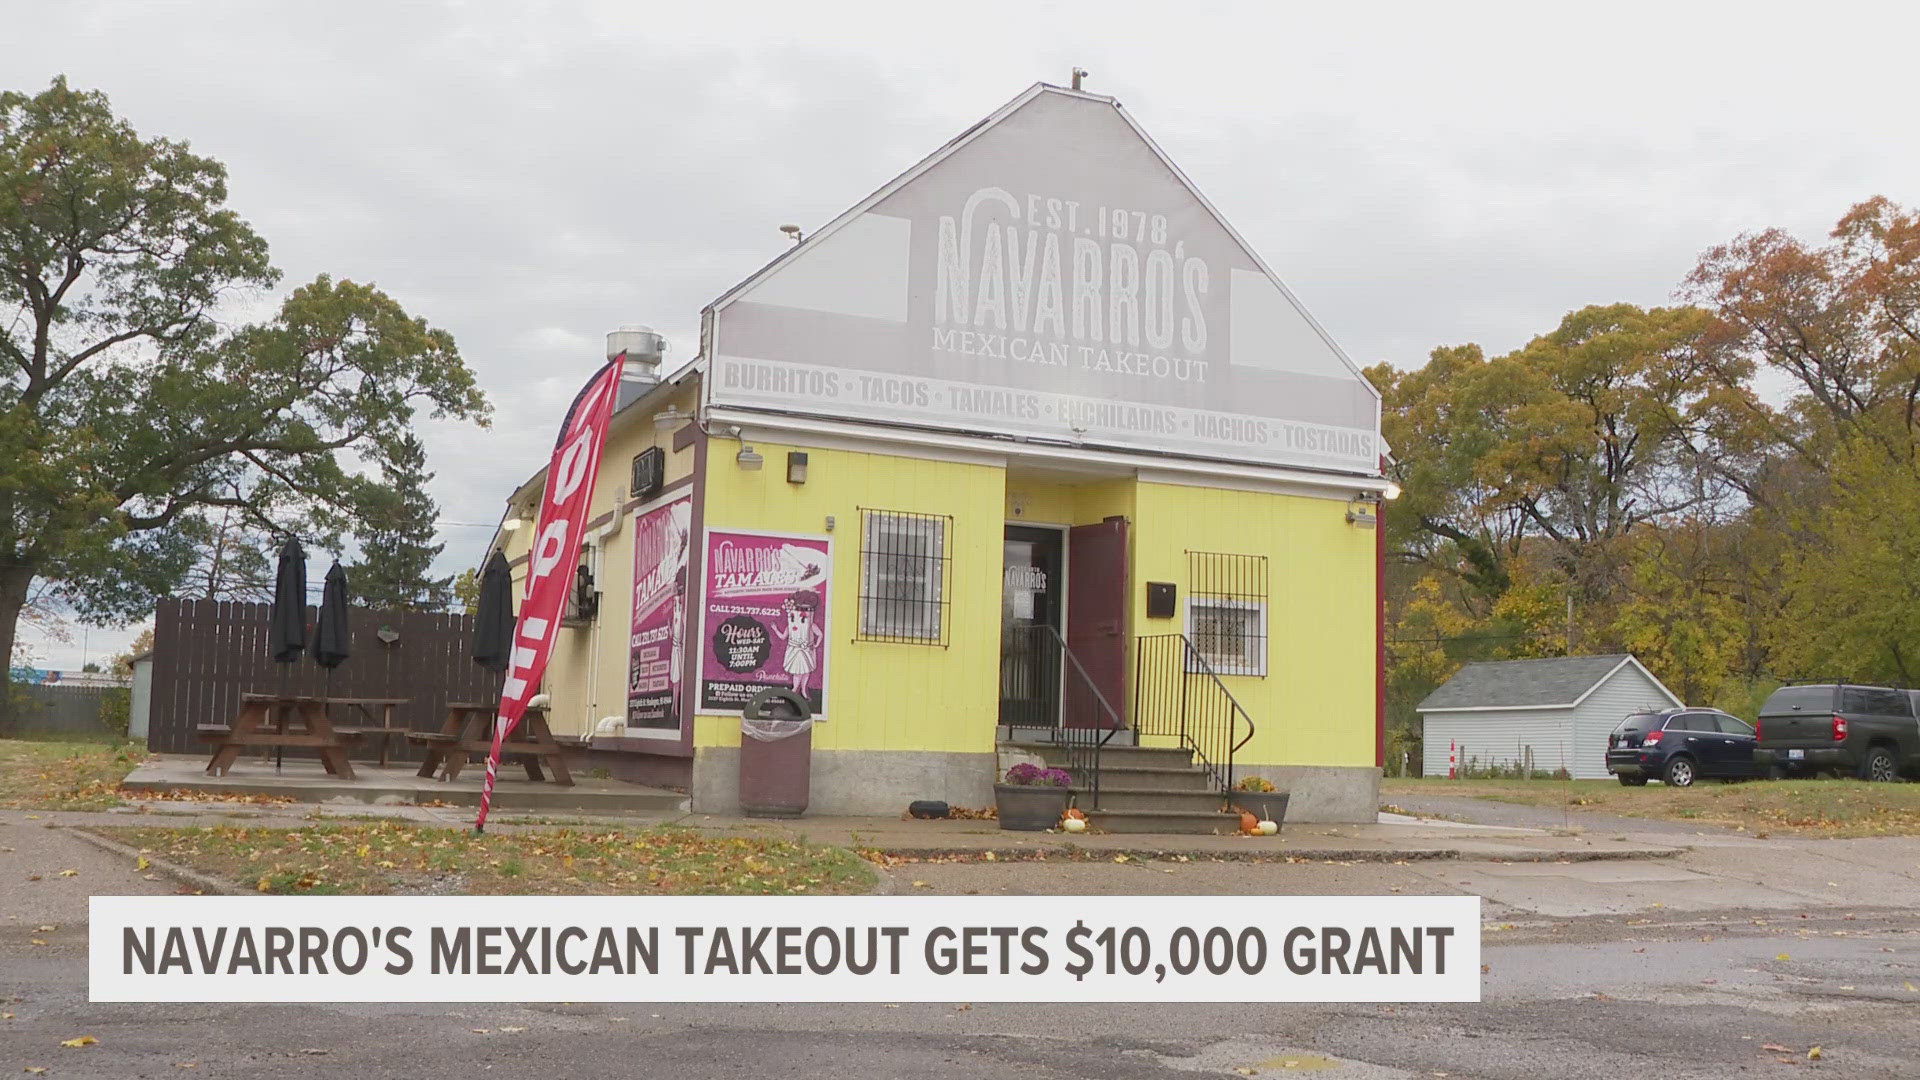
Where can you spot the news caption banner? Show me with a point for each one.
(785, 949)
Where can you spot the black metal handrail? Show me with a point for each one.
(1177, 694)
(1034, 663)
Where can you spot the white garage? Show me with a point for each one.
(1543, 714)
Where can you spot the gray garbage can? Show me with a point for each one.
(776, 754)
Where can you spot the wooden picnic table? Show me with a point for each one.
(468, 729)
(380, 727)
(270, 720)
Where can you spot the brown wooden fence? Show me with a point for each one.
(207, 653)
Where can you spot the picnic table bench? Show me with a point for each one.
(379, 727)
(468, 729)
(280, 720)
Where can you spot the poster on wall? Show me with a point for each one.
(766, 618)
(655, 659)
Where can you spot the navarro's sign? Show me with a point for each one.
(1051, 276)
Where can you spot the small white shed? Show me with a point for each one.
(141, 704)
(1550, 714)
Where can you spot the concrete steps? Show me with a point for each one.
(1114, 797)
(1188, 822)
(1145, 789)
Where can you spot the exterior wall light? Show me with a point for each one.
(1362, 513)
(749, 458)
(1391, 492)
(796, 466)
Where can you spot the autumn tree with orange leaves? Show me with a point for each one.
(1636, 480)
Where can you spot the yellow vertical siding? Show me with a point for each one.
(883, 696)
(1315, 705)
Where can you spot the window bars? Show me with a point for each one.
(905, 577)
(1227, 611)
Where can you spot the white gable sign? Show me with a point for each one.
(1048, 275)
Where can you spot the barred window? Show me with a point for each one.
(1227, 611)
(904, 577)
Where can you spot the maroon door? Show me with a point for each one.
(1096, 623)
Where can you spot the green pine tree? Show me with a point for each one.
(397, 547)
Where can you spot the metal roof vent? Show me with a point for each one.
(644, 348)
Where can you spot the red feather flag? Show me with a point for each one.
(557, 535)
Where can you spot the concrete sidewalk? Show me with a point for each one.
(1393, 839)
(306, 781)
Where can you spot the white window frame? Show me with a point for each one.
(911, 619)
(1249, 663)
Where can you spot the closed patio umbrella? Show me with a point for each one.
(493, 619)
(330, 633)
(287, 619)
(331, 637)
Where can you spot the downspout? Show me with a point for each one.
(1380, 631)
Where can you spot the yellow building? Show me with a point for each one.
(1026, 455)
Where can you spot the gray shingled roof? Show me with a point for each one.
(1557, 680)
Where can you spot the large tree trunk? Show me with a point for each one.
(14, 583)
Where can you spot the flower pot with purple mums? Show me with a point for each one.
(1032, 797)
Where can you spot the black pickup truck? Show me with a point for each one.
(1866, 731)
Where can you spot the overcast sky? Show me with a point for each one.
(530, 175)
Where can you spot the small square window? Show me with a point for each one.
(903, 577)
(1227, 612)
(1230, 635)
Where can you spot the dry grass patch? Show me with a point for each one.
(403, 858)
(1837, 808)
(52, 775)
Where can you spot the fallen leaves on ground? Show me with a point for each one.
(77, 1043)
(64, 775)
(199, 795)
(400, 857)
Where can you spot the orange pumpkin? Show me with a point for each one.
(1073, 812)
(1248, 823)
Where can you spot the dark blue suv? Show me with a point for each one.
(1679, 746)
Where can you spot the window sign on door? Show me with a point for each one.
(1022, 585)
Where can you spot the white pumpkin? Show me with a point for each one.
(1268, 828)
(1074, 824)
